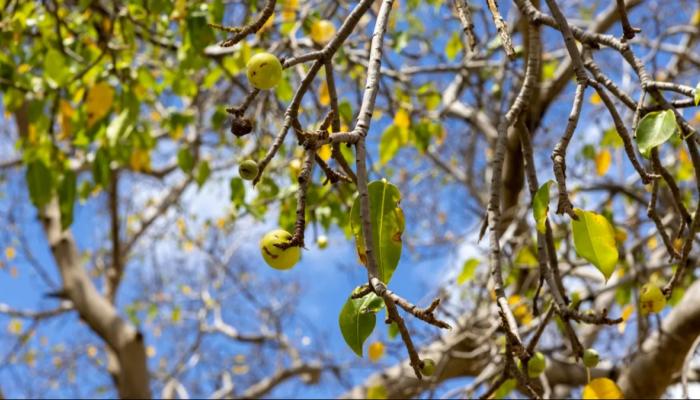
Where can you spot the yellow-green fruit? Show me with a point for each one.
(276, 257)
(651, 299)
(322, 31)
(322, 242)
(264, 71)
(248, 170)
(590, 358)
(536, 365)
(428, 367)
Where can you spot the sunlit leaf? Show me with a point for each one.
(357, 321)
(99, 102)
(655, 129)
(594, 240)
(602, 162)
(387, 227)
(467, 270)
(540, 206)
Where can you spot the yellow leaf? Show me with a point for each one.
(188, 246)
(602, 388)
(323, 97)
(140, 160)
(10, 253)
(595, 99)
(15, 327)
(92, 351)
(289, 9)
(375, 351)
(268, 24)
(696, 18)
(520, 309)
(23, 68)
(150, 351)
(402, 119)
(99, 101)
(602, 162)
(66, 113)
(625, 315)
(221, 223)
(325, 152)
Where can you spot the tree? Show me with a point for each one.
(404, 130)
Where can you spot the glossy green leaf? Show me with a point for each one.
(467, 270)
(594, 240)
(540, 206)
(67, 193)
(387, 227)
(237, 191)
(357, 320)
(39, 181)
(655, 129)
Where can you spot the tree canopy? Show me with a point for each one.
(358, 199)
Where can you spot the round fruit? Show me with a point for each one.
(248, 170)
(590, 358)
(322, 242)
(428, 367)
(322, 31)
(536, 365)
(276, 257)
(376, 351)
(264, 71)
(651, 298)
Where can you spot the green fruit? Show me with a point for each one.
(322, 242)
(248, 170)
(536, 365)
(590, 358)
(651, 299)
(276, 257)
(428, 367)
(264, 71)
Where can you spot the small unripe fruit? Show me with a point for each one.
(590, 358)
(248, 170)
(322, 31)
(428, 367)
(651, 299)
(536, 365)
(375, 351)
(322, 242)
(274, 256)
(264, 71)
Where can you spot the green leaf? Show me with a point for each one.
(453, 46)
(611, 138)
(55, 70)
(118, 128)
(203, 173)
(357, 320)
(540, 206)
(654, 129)
(237, 191)
(67, 192)
(393, 330)
(185, 160)
(594, 240)
(345, 111)
(696, 97)
(392, 140)
(387, 227)
(467, 270)
(39, 181)
(100, 168)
